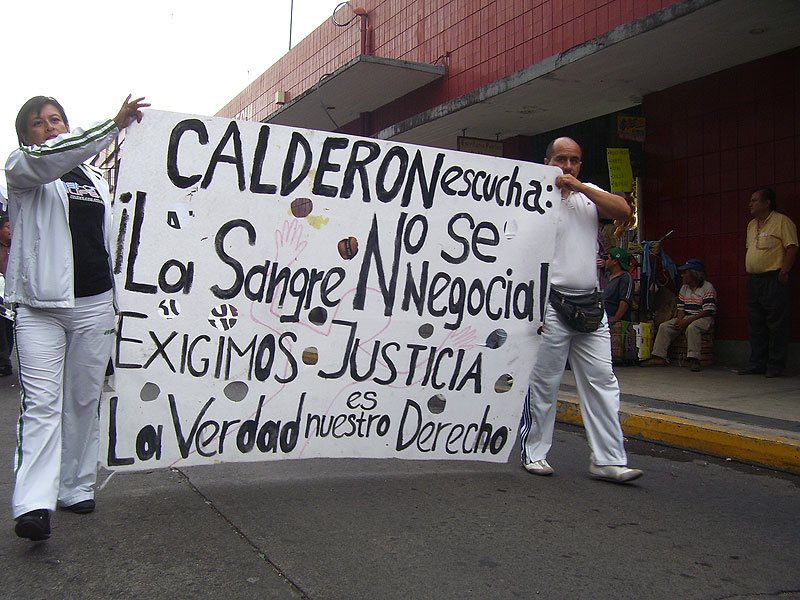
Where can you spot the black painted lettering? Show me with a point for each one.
(124, 314)
(446, 352)
(451, 175)
(185, 277)
(201, 441)
(460, 239)
(348, 349)
(289, 181)
(286, 350)
(456, 302)
(356, 376)
(427, 186)
(175, 177)
(256, 186)
(358, 166)
(514, 194)
(113, 460)
(148, 442)
(133, 251)
(388, 363)
(161, 350)
(249, 350)
(235, 159)
(415, 422)
(531, 199)
(326, 166)
(412, 293)
(263, 367)
(330, 282)
(184, 444)
(219, 246)
(388, 194)
(372, 251)
(256, 294)
(246, 436)
(291, 431)
(491, 238)
(204, 361)
(224, 432)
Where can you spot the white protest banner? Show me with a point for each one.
(287, 293)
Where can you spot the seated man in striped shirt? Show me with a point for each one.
(697, 305)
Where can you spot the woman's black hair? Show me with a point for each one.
(35, 105)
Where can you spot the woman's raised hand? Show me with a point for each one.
(131, 109)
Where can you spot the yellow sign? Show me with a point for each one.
(619, 169)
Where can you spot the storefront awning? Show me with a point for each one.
(362, 85)
(685, 41)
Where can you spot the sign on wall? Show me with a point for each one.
(632, 128)
(479, 146)
(288, 293)
(619, 169)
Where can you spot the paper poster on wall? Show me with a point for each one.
(619, 169)
(632, 128)
(287, 293)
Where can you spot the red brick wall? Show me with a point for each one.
(480, 41)
(709, 143)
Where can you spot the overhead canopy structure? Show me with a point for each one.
(362, 85)
(612, 72)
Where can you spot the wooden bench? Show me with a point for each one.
(677, 349)
(625, 347)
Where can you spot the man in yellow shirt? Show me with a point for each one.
(771, 251)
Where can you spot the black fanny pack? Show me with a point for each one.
(582, 313)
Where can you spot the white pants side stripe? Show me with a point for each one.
(63, 353)
(589, 356)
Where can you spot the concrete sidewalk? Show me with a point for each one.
(716, 411)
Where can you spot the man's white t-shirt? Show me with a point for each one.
(574, 267)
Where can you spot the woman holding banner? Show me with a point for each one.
(59, 278)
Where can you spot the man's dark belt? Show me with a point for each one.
(767, 274)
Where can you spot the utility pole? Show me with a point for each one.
(291, 14)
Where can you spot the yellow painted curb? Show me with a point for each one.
(727, 442)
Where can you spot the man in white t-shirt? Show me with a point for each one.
(573, 273)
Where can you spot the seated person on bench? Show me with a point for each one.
(697, 305)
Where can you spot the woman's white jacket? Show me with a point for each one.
(40, 269)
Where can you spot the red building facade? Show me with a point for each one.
(710, 142)
(717, 81)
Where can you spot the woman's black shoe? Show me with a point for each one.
(34, 525)
(80, 508)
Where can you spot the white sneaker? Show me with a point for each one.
(538, 467)
(614, 473)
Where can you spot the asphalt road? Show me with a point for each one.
(692, 527)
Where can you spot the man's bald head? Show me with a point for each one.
(566, 153)
(548, 154)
